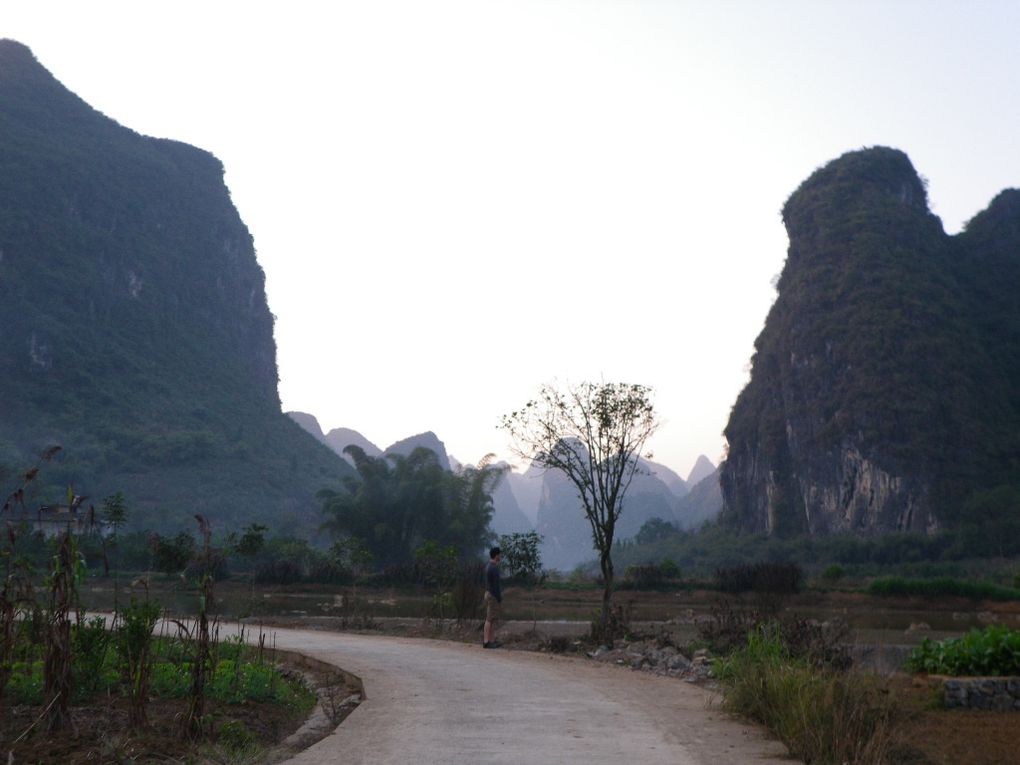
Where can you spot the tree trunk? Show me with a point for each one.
(607, 594)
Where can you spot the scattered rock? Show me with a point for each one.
(649, 656)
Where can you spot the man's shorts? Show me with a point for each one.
(491, 608)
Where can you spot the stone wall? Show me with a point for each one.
(1000, 694)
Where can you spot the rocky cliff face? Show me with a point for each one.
(882, 391)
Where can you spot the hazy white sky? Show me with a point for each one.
(455, 202)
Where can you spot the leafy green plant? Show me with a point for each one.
(522, 558)
(90, 643)
(134, 646)
(25, 684)
(995, 650)
(170, 680)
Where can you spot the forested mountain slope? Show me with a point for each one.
(134, 329)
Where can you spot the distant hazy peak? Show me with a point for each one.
(701, 470)
(428, 440)
(308, 423)
(674, 482)
(339, 439)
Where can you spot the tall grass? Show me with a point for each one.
(822, 716)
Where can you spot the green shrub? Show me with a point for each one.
(669, 569)
(91, 668)
(995, 650)
(239, 682)
(522, 558)
(834, 573)
(823, 716)
(941, 587)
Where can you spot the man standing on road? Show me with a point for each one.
(493, 597)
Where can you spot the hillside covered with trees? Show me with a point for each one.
(885, 386)
(135, 329)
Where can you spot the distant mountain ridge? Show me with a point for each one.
(135, 327)
(545, 501)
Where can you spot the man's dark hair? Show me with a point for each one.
(494, 551)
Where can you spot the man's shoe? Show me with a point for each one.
(495, 644)
(486, 645)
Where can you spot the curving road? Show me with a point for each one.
(438, 702)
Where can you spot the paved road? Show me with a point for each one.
(433, 701)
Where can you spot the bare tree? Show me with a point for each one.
(593, 433)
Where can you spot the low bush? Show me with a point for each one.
(468, 592)
(822, 716)
(646, 577)
(995, 650)
(91, 647)
(669, 569)
(833, 573)
(616, 627)
(764, 576)
(941, 587)
(329, 572)
(279, 572)
(819, 644)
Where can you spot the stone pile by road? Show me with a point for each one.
(651, 656)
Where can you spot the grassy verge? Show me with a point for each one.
(822, 716)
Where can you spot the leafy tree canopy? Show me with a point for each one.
(396, 503)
